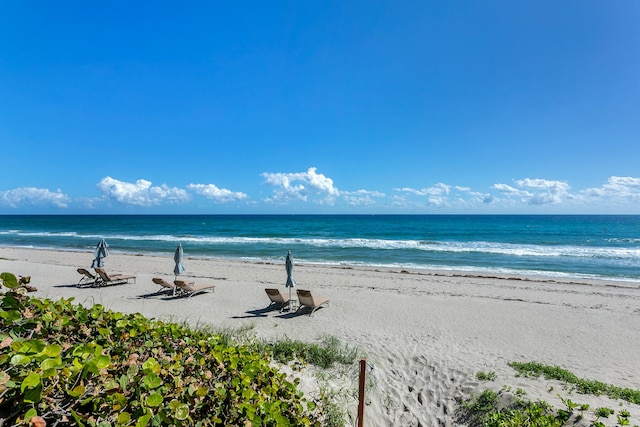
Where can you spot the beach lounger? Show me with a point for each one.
(307, 300)
(277, 298)
(87, 278)
(189, 289)
(167, 287)
(107, 279)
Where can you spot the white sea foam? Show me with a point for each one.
(479, 247)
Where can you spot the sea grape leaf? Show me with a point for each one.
(124, 418)
(33, 395)
(11, 315)
(31, 381)
(151, 366)
(4, 377)
(77, 391)
(144, 420)
(53, 350)
(52, 362)
(102, 361)
(9, 280)
(154, 399)
(182, 412)
(30, 414)
(20, 359)
(152, 381)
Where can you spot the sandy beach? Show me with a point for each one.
(426, 334)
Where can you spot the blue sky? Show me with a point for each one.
(320, 107)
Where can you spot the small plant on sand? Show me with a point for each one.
(489, 376)
(623, 417)
(603, 412)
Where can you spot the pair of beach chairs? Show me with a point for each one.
(305, 299)
(102, 278)
(181, 288)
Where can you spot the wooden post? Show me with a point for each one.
(363, 371)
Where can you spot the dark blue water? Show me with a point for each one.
(598, 246)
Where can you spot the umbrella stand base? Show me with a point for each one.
(293, 305)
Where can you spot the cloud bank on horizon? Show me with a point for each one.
(311, 191)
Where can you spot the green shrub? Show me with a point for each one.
(91, 366)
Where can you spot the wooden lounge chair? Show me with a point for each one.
(107, 279)
(166, 286)
(277, 298)
(307, 300)
(87, 278)
(189, 289)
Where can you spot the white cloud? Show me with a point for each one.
(508, 190)
(537, 191)
(31, 196)
(141, 193)
(361, 197)
(220, 195)
(617, 187)
(300, 185)
(438, 189)
(439, 195)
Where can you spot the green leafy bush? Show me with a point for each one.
(91, 366)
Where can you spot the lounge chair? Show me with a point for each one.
(107, 279)
(87, 278)
(167, 287)
(277, 298)
(189, 289)
(307, 300)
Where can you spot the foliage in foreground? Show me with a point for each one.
(91, 366)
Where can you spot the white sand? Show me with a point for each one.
(426, 333)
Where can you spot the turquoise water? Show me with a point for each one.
(594, 246)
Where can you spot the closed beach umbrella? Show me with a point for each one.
(177, 257)
(291, 282)
(102, 250)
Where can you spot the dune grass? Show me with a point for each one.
(584, 386)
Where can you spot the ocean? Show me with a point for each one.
(559, 246)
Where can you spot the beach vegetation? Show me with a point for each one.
(490, 409)
(583, 386)
(486, 376)
(507, 409)
(330, 355)
(63, 363)
(604, 412)
(329, 352)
